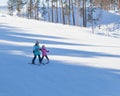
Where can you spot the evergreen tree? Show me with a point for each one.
(48, 9)
(91, 11)
(36, 8)
(11, 6)
(44, 10)
(30, 8)
(19, 6)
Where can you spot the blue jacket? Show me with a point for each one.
(36, 50)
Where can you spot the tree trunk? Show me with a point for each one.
(48, 11)
(56, 11)
(73, 17)
(52, 11)
(69, 12)
(63, 19)
(84, 13)
(119, 4)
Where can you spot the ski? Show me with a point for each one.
(37, 64)
(34, 64)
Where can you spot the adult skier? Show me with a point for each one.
(36, 52)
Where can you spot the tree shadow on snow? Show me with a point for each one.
(8, 34)
(57, 78)
(79, 53)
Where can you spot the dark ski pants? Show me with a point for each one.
(33, 61)
(45, 57)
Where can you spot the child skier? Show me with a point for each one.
(36, 52)
(44, 54)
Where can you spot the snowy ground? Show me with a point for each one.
(81, 63)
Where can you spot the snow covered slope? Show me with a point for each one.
(81, 63)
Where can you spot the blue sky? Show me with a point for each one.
(3, 2)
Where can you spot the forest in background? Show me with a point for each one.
(71, 12)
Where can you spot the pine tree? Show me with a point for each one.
(19, 6)
(66, 11)
(30, 8)
(48, 7)
(44, 10)
(36, 8)
(11, 6)
(91, 18)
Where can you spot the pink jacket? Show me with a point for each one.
(44, 51)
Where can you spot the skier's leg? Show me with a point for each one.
(33, 61)
(47, 58)
(41, 59)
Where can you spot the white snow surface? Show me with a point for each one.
(81, 63)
